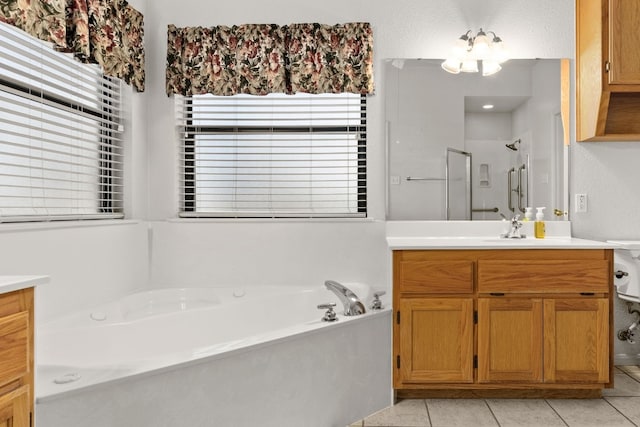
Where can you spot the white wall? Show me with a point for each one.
(89, 263)
(275, 253)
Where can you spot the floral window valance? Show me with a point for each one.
(107, 32)
(258, 59)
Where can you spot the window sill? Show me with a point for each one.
(57, 225)
(205, 220)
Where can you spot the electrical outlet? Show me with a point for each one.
(581, 203)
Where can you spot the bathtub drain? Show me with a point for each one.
(67, 378)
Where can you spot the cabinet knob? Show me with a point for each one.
(607, 66)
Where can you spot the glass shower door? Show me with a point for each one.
(458, 182)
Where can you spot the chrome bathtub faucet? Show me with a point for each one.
(352, 304)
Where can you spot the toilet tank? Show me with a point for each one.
(626, 269)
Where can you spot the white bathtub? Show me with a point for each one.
(213, 357)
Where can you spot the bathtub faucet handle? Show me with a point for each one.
(330, 315)
(377, 304)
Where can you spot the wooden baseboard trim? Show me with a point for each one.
(499, 394)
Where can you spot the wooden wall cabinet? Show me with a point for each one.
(491, 320)
(607, 70)
(16, 354)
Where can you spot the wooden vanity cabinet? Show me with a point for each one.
(607, 70)
(502, 319)
(16, 354)
(434, 320)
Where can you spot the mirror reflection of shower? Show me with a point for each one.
(514, 145)
(517, 148)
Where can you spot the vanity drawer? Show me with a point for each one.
(14, 346)
(441, 276)
(548, 276)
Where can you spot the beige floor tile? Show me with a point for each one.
(524, 412)
(406, 413)
(632, 370)
(588, 412)
(629, 406)
(358, 424)
(460, 412)
(624, 385)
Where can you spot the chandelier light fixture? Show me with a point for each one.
(470, 54)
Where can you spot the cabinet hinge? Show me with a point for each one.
(398, 361)
(475, 361)
(475, 317)
(607, 66)
(398, 317)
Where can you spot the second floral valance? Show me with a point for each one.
(258, 59)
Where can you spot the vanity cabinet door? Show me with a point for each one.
(14, 408)
(509, 340)
(624, 39)
(576, 344)
(16, 358)
(435, 341)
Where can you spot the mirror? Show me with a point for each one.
(452, 158)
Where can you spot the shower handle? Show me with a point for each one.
(510, 187)
(520, 193)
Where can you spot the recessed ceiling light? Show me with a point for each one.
(487, 106)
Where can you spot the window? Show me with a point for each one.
(60, 147)
(273, 156)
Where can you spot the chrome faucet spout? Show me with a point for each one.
(352, 304)
(514, 233)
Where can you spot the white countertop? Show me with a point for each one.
(482, 235)
(491, 242)
(15, 283)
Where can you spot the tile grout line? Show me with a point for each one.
(556, 412)
(629, 375)
(428, 414)
(492, 414)
(618, 411)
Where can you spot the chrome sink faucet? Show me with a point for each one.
(514, 232)
(352, 304)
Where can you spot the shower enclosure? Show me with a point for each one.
(458, 185)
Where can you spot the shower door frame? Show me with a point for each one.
(468, 182)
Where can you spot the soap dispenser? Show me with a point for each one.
(538, 226)
(528, 213)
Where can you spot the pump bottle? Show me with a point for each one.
(538, 226)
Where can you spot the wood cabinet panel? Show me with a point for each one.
(14, 408)
(509, 340)
(14, 346)
(16, 356)
(607, 70)
(543, 276)
(624, 39)
(576, 346)
(436, 276)
(436, 340)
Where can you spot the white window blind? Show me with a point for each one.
(60, 147)
(272, 156)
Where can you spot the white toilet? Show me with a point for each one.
(626, 269)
